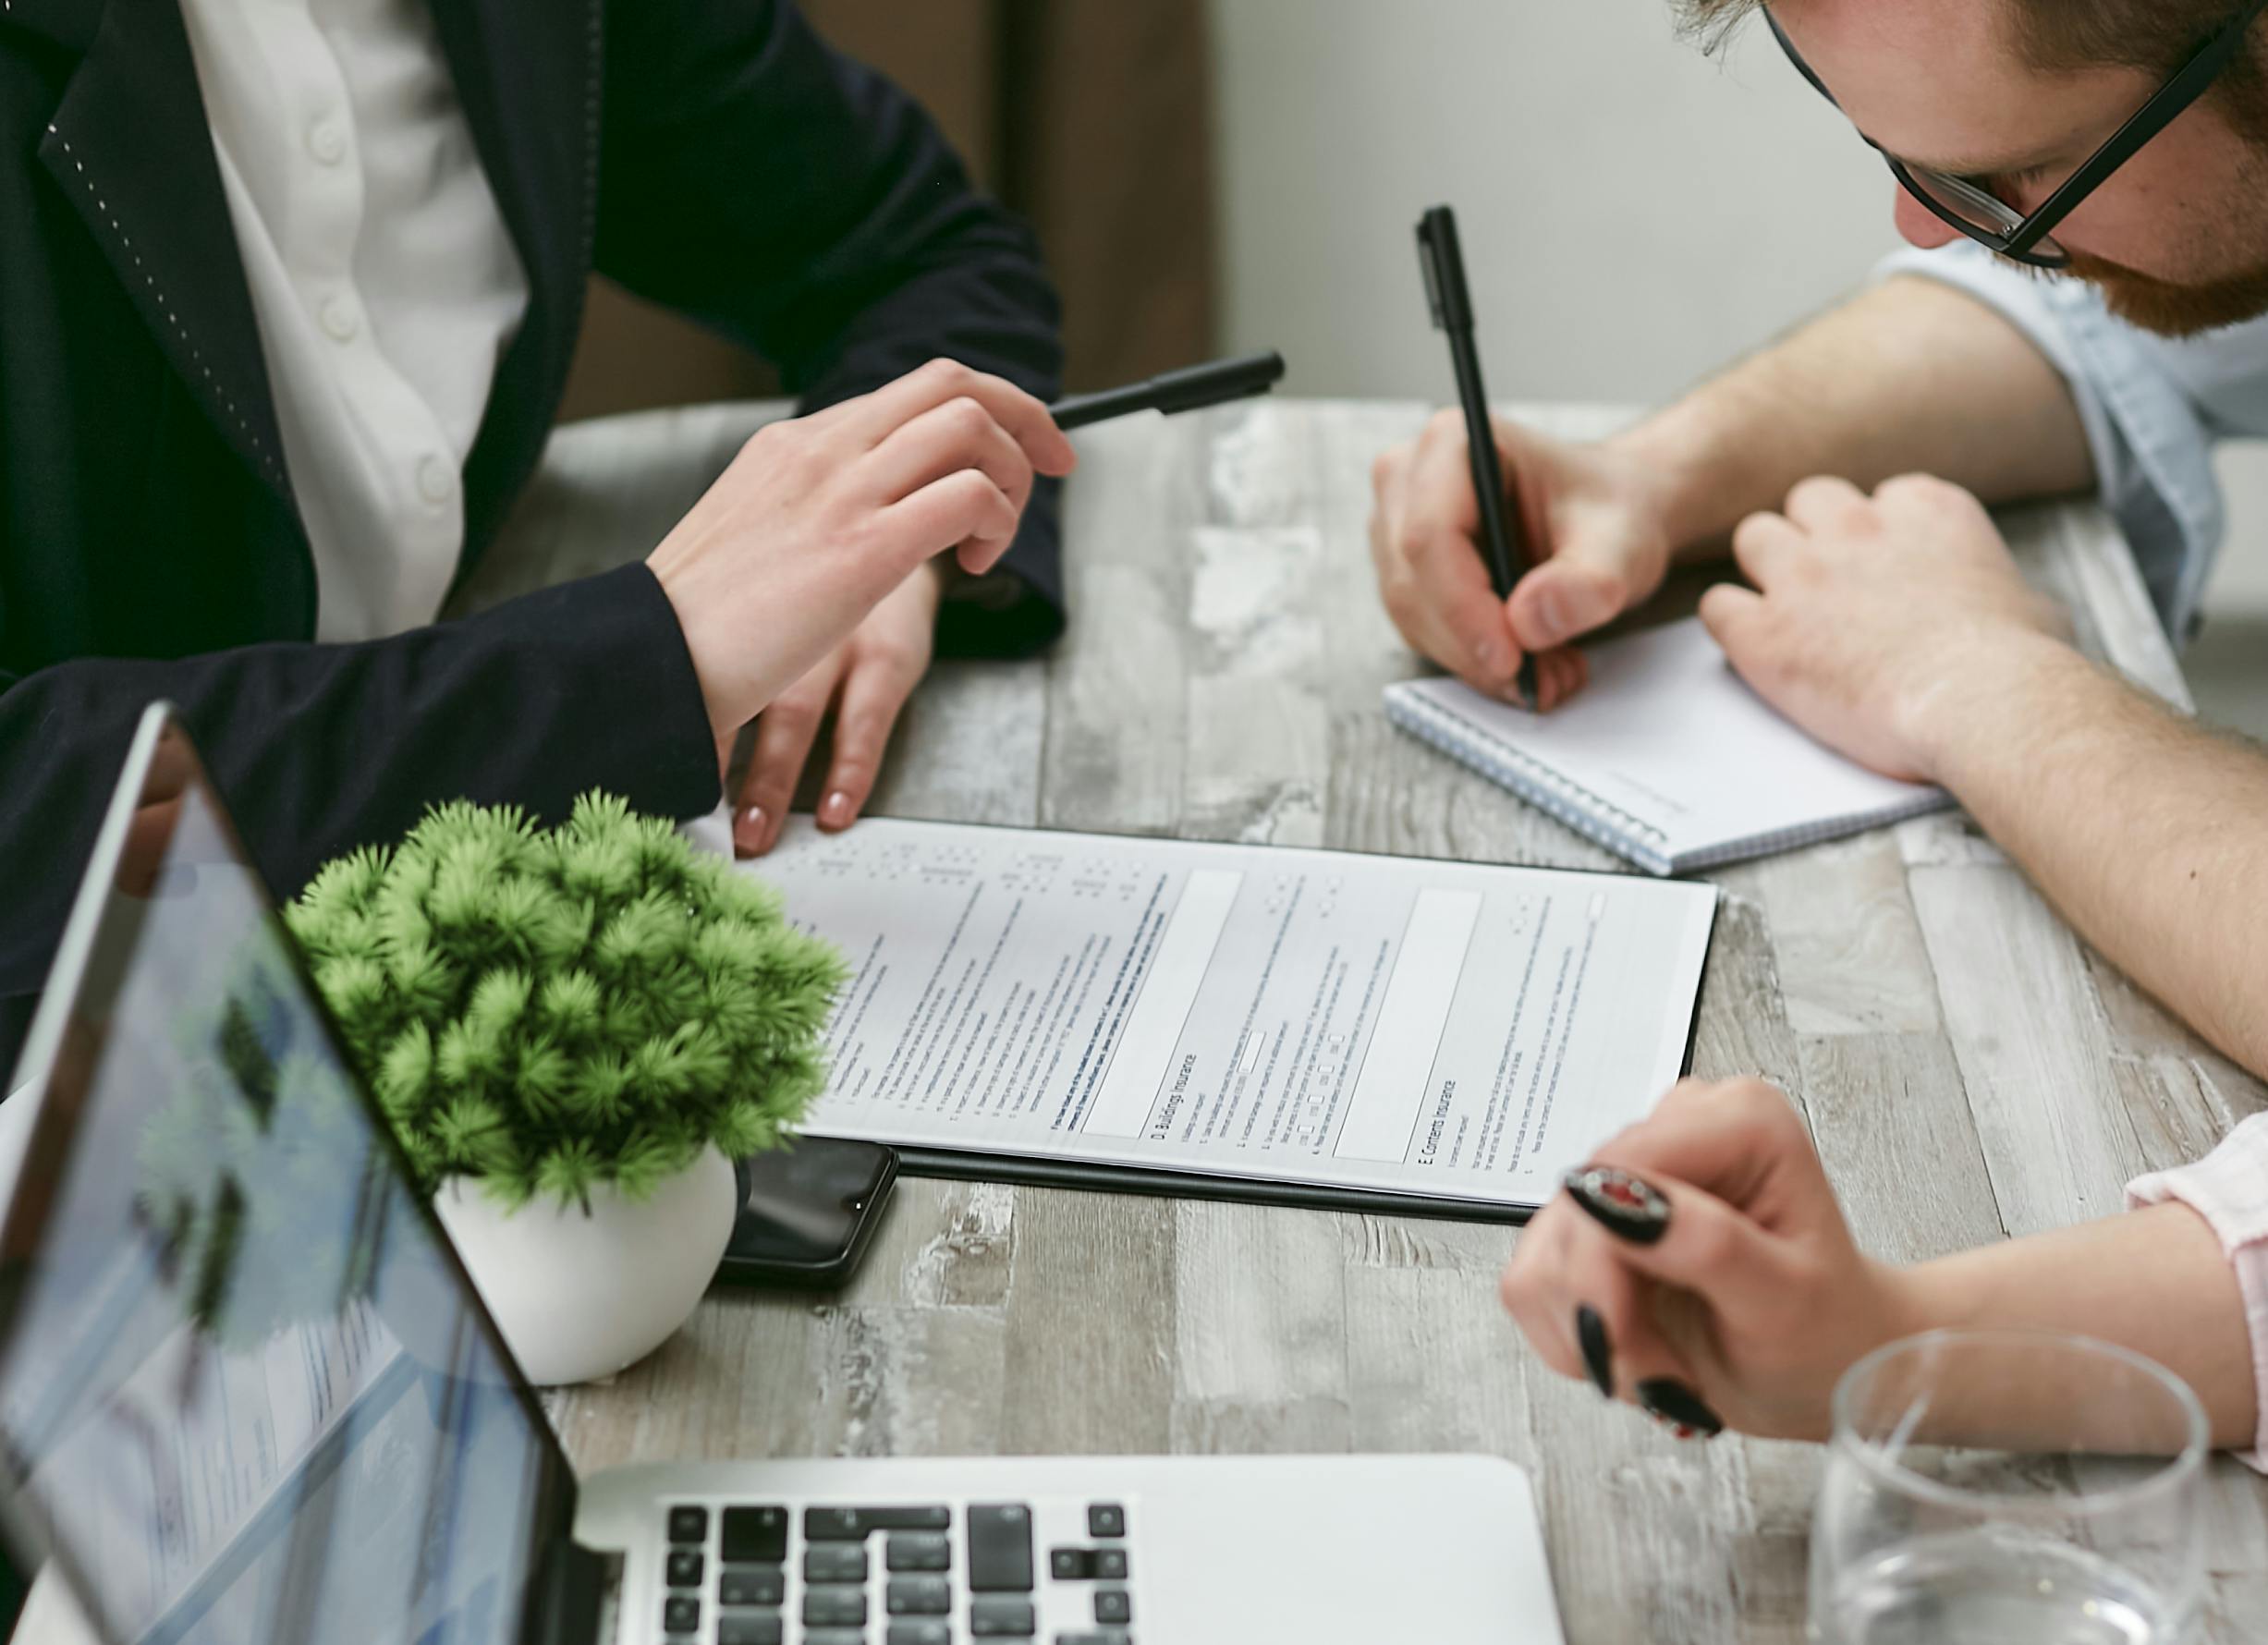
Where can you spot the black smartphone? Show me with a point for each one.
(807, 1211)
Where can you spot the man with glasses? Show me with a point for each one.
(2120, 149)
(2124, 145)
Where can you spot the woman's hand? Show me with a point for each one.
(864, 682)
(819, 519)
(1702, 1269)
(1598, 521)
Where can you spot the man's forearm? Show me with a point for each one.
(2148, 831)
(1910, 376)
(2154, 1281)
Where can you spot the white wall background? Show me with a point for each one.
(1634, 214)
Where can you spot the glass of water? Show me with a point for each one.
(2011, 1487)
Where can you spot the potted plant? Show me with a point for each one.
(574, 1033)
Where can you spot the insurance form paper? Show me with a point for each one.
(1311, 1016)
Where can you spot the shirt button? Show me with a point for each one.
(339, 319)
(326, 141)
(434, 481)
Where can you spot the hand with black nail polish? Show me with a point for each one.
(1625, 1204)
(1699, 1268)
(1668, 1400)
(1598, 1353)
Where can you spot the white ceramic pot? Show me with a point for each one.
(581, 1295)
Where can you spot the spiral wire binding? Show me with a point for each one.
(1590, 814)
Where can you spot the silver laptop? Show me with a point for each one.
(247, 1394)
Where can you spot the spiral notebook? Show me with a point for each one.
(1667, 758)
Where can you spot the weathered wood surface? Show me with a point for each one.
(1968, 1067)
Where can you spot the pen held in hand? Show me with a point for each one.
(1503, 544)
(1188, 389)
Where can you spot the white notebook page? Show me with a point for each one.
(1668, 733)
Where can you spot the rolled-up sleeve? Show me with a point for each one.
(2152, 408)
(2228, 1188)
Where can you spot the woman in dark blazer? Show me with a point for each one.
(712, 155)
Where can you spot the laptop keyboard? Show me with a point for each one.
(1059, 1570)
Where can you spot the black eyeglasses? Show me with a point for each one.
(1983, 217)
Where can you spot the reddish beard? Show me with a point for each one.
(2172, 310)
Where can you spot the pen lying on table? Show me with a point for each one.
(1185, 390)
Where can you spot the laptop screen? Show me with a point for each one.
(246, 1392)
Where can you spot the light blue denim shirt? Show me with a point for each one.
(2153, 406)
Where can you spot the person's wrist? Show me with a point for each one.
(1976, 691)
(1675, 476)
(695, 616)
(1877, 1304)
(1932, 1296)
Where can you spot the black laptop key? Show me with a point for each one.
(852, 1525)
(920, 1630)
(751, 1628)
(917, 1551)
(834, 1562)
(1105, 1519)
(684, 1568)
(752, 1585)
(680, 1614)
(920, 1596)
(688, 1525)
(995, 1617)
(1101, 1635)
(755, 1536)
(1112, 1604)
(834, 1636)
(1071, 1565)
(1000, 1547)
(835, 1607)
(1110, 1564)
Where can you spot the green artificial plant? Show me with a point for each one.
(551, 1010)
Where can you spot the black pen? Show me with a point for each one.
(1185, 390)
(1503, 543)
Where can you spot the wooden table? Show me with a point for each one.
(1969, 1067)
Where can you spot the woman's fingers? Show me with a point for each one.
(963, 511)
(958, 434)
(873, 418)
(1744, 1143)
(794, 544)
(1740, 1299)
(1625, 1352)
(1589, 1314)
(784, 733)
(874, 691)
(1531, 1297)
(1680, 1235)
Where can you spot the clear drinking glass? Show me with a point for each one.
(2016, 1487)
